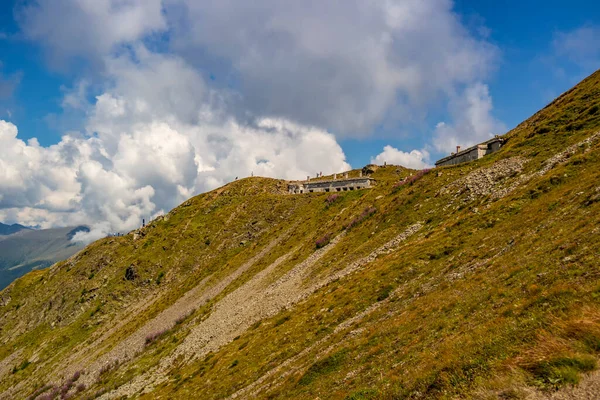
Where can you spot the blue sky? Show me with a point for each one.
(528, 75)
(282, 89)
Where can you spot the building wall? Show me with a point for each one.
(329, 186)
(494, 146)
(472, 154)
(465, 157)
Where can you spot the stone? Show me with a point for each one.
(130, 273)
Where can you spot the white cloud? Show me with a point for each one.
(415, 159)
(472, 123)
(580, 46)
(342, 65)
(88, 28)
(149, 150)
(287, 74)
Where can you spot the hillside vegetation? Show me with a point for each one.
(473, 281)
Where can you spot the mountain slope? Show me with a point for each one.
(34, 249)
(10, 229)
(477, 280)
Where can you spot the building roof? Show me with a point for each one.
(317, 180)
(469, 149)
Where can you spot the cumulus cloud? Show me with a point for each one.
(343, 65)
(88, 28)
(146, 152)
(473, 121)
(416, 159)
(283, 77)
(580, 46)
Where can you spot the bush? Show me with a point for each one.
(153, 337)
(331, 199)
(384, 293)
(21, 367)
(324, 241)
(36, 394)
(364, 215)
(108, 367)
(410, 180)
(364, 394)
(66, 387)
(160, 277)
(562, 371)
(182, 318)
(282, 320)
(325, 366)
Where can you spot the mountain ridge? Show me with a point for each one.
(473, 281)
(28, 249)
(10, 229)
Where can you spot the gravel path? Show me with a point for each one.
(285, 368)
(234, 314)
(129, 347)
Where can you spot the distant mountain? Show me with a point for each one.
(29, 249)
(10, 229)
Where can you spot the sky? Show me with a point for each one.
(116, 110)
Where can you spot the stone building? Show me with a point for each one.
(331, 185)
(471, 153)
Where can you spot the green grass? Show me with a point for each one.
(490, 295)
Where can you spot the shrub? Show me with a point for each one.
(40, 390)
(21, 367)
(182, 318)
(49, 396)
(562, 371)
(282, 320)
(384, 293)
(153, 337)
(160, 277)
(364, 215)
(108, 367)
(324, 241)
(364, 394)
(331, 199)
(410, 180)
(66, 387)
(325, 366)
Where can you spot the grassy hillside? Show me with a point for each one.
(29, 249)
(471, 281)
